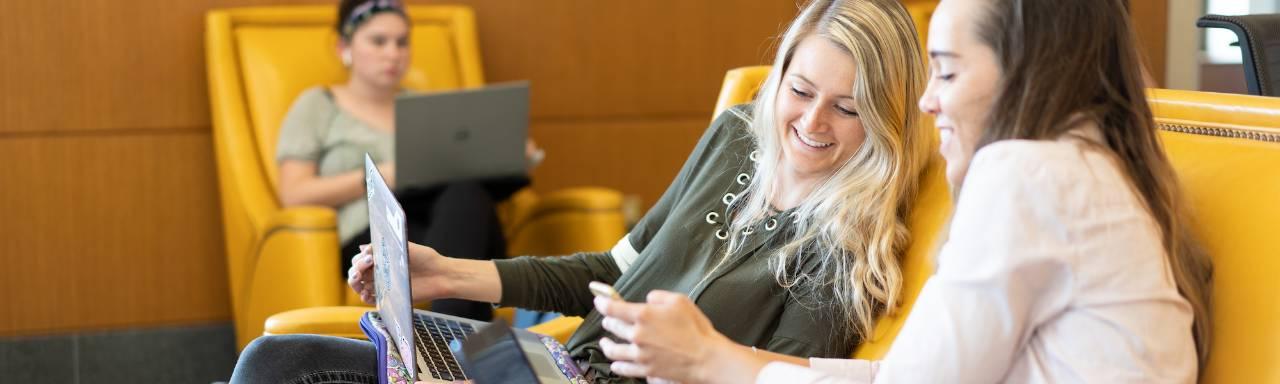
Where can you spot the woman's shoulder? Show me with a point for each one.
(1071, 175)
(315, 97)
(308, 114)
(1040, 160)
(731, 130)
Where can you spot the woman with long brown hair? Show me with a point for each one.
(1069, 257)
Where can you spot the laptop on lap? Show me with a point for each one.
(415, 345)
(466, 134)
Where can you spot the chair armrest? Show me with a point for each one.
(507, 314)
(579, 198)
(560, 328)
(295, 262)
(569, 220)
(303, 217)
(332, 321)
(292, 267)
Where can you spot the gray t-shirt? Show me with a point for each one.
(317, 130)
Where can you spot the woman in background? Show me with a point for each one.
(328, 130)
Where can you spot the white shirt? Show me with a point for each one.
(1053, 271)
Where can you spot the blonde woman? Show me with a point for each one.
(784, 225)
(1068, 258)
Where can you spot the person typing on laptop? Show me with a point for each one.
(328, 130)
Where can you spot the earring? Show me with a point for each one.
(346, 58)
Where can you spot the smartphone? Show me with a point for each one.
(604, 290)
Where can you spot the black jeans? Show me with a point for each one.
(458, 220)
(306, 359)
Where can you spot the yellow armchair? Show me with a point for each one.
(1226, 151)
(258, 60)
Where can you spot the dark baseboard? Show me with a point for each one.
(184, 354)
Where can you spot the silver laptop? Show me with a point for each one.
(461, 135)
(425, 337)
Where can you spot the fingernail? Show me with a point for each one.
(600, 303)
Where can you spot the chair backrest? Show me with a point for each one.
(1226, 151)
(931, 210)
(277, 52)
(1259, 37)
(260, 58)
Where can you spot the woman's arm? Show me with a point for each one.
(556, 284)
(301, 185)
(299, 148)
(432, 276)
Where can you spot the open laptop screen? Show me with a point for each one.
(390, 263)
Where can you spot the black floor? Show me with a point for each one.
(193, 354)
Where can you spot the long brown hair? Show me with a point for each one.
(1064, 60)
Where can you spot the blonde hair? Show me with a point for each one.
(855, 220)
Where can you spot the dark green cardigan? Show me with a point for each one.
(679, 245)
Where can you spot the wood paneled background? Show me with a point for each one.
(108, 202)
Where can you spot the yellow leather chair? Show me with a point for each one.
(259, 59)
(1226, 151)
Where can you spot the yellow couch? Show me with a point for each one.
(259, 59)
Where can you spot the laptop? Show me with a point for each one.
(416, 345)
(467, 134)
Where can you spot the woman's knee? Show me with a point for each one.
(465, 194)
(283, 358)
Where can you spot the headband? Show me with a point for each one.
(366, 10)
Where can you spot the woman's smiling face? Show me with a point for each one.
(816, 111)
(963, 83)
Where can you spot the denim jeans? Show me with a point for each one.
(306, 359)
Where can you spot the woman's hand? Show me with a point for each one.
(533, 154)
(427, 273)
(432, 275)
(670, 339)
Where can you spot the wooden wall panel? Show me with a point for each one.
(91, 65)
(109, 231)
(638, 156)
(1151, 21)
(140, 63)
(637, 59)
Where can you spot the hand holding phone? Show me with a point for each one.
(604, 290)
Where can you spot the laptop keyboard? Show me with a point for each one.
(434, 335)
